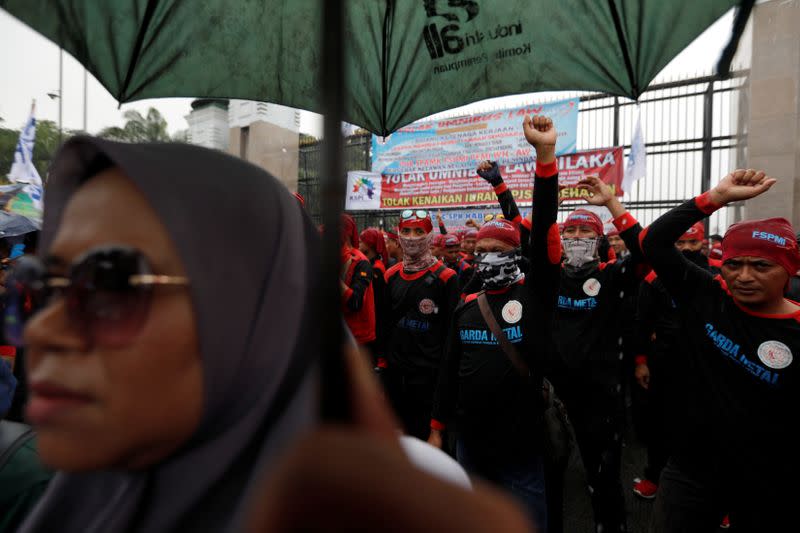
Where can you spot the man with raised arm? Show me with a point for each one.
(738, 446)
(492, 372)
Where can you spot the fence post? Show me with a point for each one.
(708, 132)
(616, 121)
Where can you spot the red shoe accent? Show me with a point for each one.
(726, 523)
(645, 489)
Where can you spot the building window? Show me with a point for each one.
(244, 140)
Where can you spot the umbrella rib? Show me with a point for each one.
(624, 45)
(384, 63)
(137, 49)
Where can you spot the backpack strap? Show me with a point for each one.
(13, 436)
(508, 348)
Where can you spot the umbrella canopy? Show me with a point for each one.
(404, 59)
(12, 225)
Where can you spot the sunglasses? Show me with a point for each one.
(410, 214)
(107, 293)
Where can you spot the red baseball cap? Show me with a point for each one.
(584, 217)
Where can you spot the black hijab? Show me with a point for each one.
(250, 253)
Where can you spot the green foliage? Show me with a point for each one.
(139, 128)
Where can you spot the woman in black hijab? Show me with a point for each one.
(168, 375)
(167, 361)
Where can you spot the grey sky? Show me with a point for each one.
(29, 64)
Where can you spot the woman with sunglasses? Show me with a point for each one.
(421, 294)
(160, 379)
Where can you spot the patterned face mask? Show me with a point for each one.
(498, 269)
(579, 252)
(417, 253)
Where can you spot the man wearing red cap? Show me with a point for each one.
(393, 248)
(358, 300)
(736, 447)
(373, 246)
(421, 294)
(658, 337)
(616, 243)
(498, 400)
(587, 364)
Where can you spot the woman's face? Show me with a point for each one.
(95, 406)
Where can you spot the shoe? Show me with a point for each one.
(726, 523)
(645, 488)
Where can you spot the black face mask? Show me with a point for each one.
(696, 257)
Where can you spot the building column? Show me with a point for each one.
(773, 132)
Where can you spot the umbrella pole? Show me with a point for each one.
(334, 390)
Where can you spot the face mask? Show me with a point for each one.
(498, 269)
(417, 253)
(579, 252)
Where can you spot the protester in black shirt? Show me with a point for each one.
(658, 339)
(587, 366)
(738, 449)
(421, 294)
(393, 248)
(499, 403)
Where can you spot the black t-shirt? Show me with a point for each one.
(419, 308)
(496, 405)
(738, 375)
(591, 310)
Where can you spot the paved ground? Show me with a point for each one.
(577, 506)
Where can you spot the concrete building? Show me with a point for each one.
(267, 135)
(208, 123)
(772, 110)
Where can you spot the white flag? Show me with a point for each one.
(22, 170)
(636, 167)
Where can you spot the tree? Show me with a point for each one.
(138, 128)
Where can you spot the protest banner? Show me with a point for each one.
(462, 142)
(461, 188)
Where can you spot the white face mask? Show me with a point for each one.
(579, 252)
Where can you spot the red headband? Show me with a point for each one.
(502, 230)
(373, 238)
(772, 239)
(584, 217)
(450, 240)
(697, 232)
(349, 231)
(424, 223)
(392, 235)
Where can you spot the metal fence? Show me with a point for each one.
(692, 132)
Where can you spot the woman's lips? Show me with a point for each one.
(49, 401)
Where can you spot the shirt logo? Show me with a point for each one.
(591, 287)
(769, 237)
(512, 312)
(775, 354)
(427, 307)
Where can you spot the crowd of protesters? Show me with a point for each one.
(159, 393)
(700, 333)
